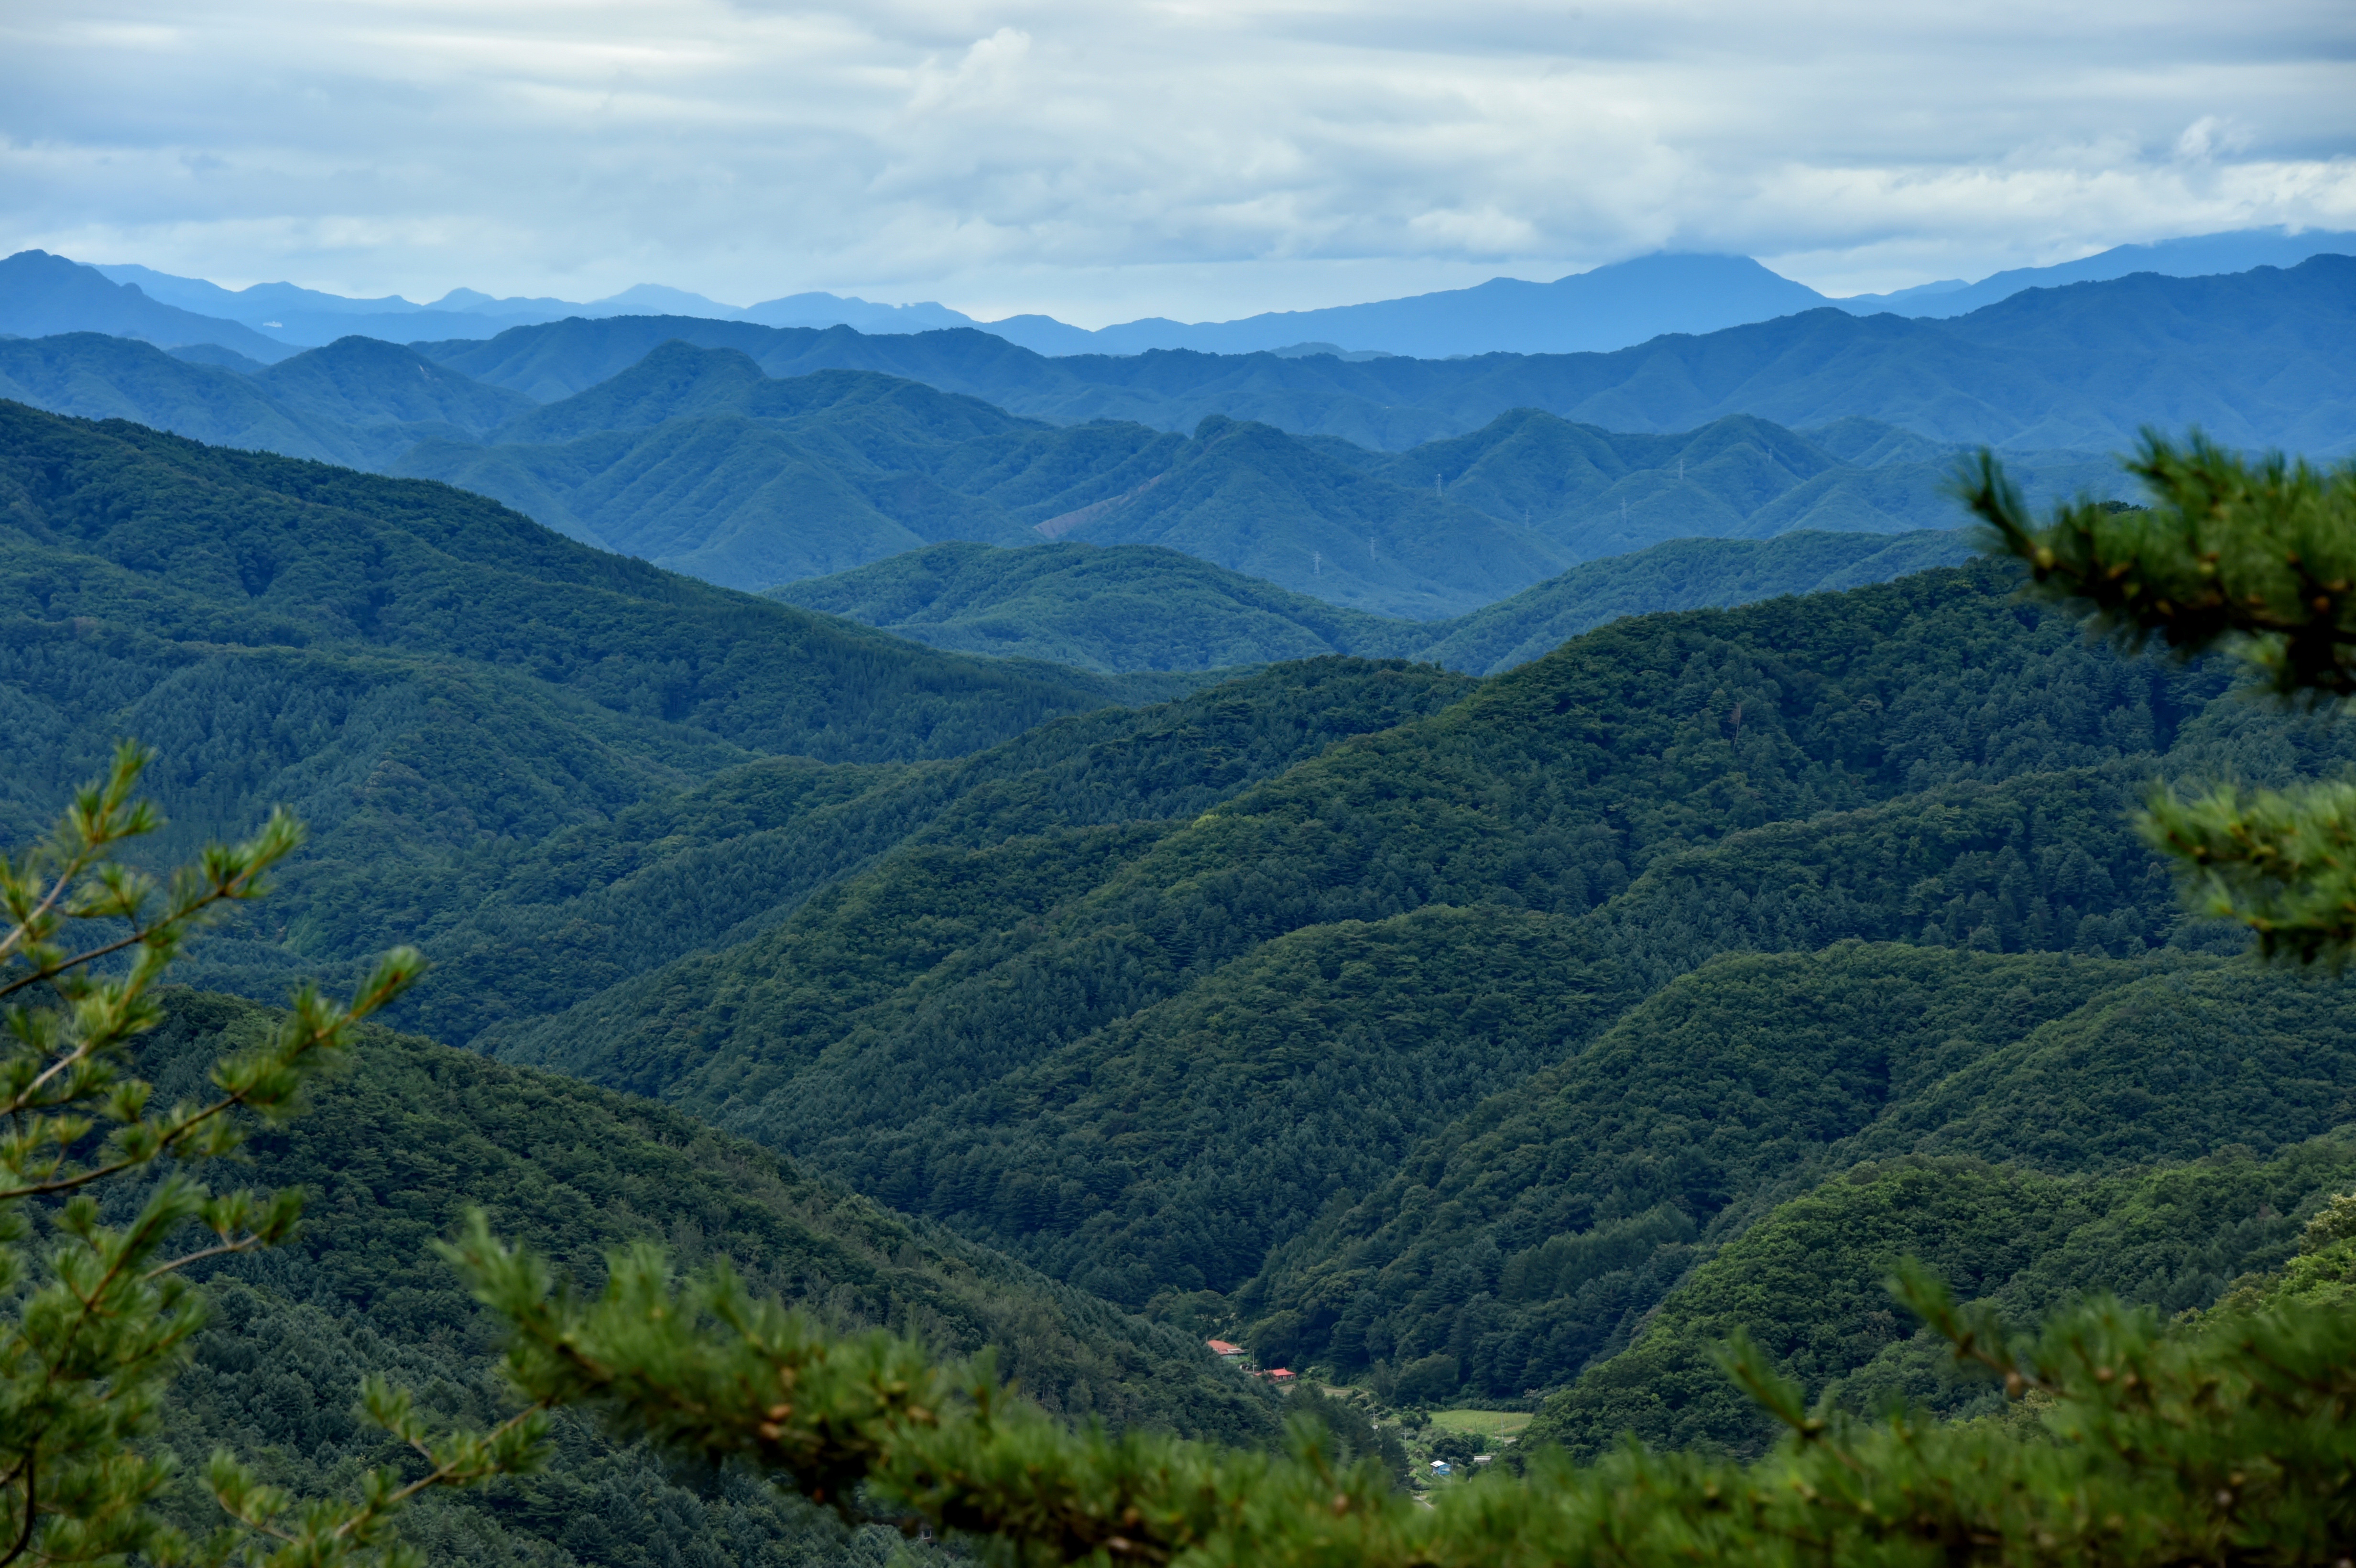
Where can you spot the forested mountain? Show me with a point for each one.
(392, 1152)
(1683, 574)
(1596, 493)
(1253, 499)
(420, 670)
(1132, 607)
(91, 376)
(2256, 358)
(695, 460)
(524, 927)
(362, 382)
(1435, 1032)
(1808, 1277)
(358, 403)
(1151, 1062)
(1105, 607)
(1753, 1078)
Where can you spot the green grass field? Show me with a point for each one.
(1498, 1423)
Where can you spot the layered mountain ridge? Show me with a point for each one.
(1495, 1040)
(696, 459)
(1608, 307)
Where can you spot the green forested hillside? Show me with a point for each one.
(357, 401)
(521, 928)
(1132, 607)
(725, 499)
(362, 382)
(1146, 1061)
(422, 673)
(1597, 493)
(1430, 1031)
(692, 459)
(1558, 783)
(411, 1134)
(677, 381)
(92, 376)
(1249, 497)
(1807, 1280)
(1110, 607)
(1682, 574)
(1538, 1232)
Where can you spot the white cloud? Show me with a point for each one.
(1186, 157)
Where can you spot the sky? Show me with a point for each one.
(1101, 161)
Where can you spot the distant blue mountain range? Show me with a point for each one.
(1608, 308)
(307, 318)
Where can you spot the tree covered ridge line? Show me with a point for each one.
(155, 534)
(803, 1039)
(1805, 1282)
(424, 675)
(1129, 607)
(695, 460)
(2253, 507)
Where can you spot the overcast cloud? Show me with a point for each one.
(1105, 161)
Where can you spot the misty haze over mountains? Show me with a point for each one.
(1609, 307)
(752, 455)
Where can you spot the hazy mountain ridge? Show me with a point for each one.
(757, 482)
(311, 317)
(774, 454)
(2200, 255)
(1607, 308)
(41, 294)
(697, 460)
(2080, 367)
(2253, 357)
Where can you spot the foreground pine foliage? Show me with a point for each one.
(93, 1331)
(2257, 558)
(2229, 1440)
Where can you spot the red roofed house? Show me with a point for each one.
(1225, 1351)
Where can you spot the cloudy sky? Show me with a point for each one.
(1099, 160)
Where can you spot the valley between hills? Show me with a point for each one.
(1470, 881)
